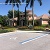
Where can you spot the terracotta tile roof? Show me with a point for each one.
(44, 16)
(37, 18)
(28, 11)
(35, 15)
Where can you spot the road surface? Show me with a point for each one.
(25, 41)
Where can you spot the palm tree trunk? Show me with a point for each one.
(13, 13)
(33, 15)
(25, 18)
(18, 18)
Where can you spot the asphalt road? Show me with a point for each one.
(25, 41)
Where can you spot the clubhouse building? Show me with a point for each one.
(42, 19)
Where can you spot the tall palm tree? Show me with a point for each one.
(49, 12)
(31, 2)
(49, 17)
(13, 2)
(25, 16)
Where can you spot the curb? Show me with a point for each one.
(30, 31)
(8, 33)
(23, 32)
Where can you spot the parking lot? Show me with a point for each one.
(25, 41)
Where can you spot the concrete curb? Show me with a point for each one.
(21, 31)
(29, 31)
(34, 31)
(7, 33)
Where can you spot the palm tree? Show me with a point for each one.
(49, 17)
(13, 2)
(25, 16)
(31, 2)
(49, 12)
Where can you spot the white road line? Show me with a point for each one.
(14, 38)
(32, 39)
(10, 38)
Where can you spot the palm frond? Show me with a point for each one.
(23, 0)
(13, 1)
(6, 1)
(18, 2)
(17, 5)
(10, 2)
(31, 3)
(27, 2)
(40, 1)
(49, 11)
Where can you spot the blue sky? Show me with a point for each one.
(38, 10)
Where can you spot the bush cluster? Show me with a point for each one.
(23, 27)
(39, 28)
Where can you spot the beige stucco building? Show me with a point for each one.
(42, 19)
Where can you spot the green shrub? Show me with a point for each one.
(39, 28)
(44, 25)
(3, 31)
(23, 27)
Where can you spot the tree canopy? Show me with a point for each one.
(3, 20)
(13, 1)
(10, 13)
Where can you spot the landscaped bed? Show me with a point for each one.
(26, 28)
(7, 29)
(35, 28)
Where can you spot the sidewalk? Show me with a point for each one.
(30, 31)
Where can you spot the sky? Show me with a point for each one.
(38, 10)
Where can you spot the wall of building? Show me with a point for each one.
(44, 22)
(35, 17)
